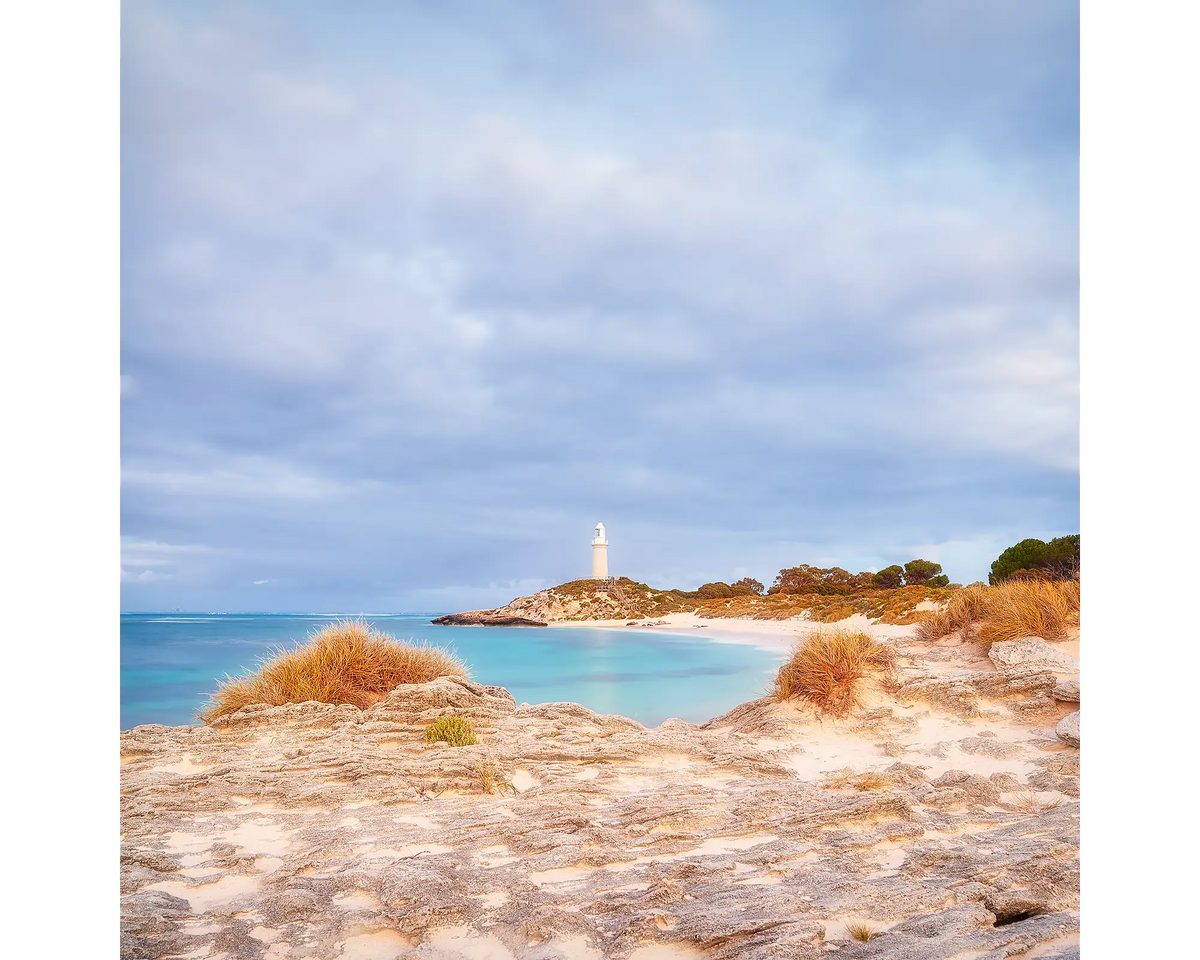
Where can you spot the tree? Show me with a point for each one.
(822, 580)
(889, 578)
(801, 579)
(714, 591)
(747, 586)
(1062, 557)
(1026, 555)
(924, 573)
(1058, 559)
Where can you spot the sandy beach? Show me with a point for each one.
(775, 635)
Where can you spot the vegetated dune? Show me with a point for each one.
(629, 600)
(923, 803)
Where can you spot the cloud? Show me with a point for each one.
(394, 331)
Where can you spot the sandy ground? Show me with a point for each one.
(776, 635)
(780, 636)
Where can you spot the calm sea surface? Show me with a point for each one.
(171, 662)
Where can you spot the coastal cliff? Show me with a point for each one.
(940, 818)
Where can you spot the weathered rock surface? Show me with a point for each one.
(1032, 653)
(1068, 729)
(1067, 690)
(311, 830)
(1024, 690)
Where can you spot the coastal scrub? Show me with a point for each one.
(825, 670)
(344, 662)
(1019, 608)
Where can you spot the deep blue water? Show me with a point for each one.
(171, 662)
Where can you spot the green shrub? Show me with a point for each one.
(456, 731)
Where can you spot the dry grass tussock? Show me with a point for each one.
(861, 931)
(1019, 608)
(1030, 802)
(344, 662)
(825, 670)
(492, 777)
(859, 781)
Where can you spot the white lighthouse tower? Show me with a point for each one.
(600, 554)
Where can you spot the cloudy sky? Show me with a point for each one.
(414, 294)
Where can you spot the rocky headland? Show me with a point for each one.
(621, 599)
(940, 819)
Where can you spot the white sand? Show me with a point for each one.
(779, 636)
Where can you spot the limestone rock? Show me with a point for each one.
(1032, 652)
(568, 833)
(1068, 729)
(1067, 690)
(488, 618)
(445, 696)
(1025, 691)
(977, 788)
(990, 747)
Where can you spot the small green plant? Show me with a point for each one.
(861, 931)
(456, 731)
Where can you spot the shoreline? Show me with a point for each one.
(777, 636)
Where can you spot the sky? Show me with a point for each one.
(413, 295)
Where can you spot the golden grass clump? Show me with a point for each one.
(960, 612)
(1018, 608)
(825, 670)
(344, 662)
(1031, 608)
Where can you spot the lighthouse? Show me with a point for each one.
(600, 554)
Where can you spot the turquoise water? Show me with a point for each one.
(171, 662)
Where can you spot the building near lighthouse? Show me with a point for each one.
(600, 554)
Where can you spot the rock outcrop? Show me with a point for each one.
(1032, 653)
(312, 830)
(488, 618)
(1068, 729)
(578, 600)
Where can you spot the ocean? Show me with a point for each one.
(170, 663)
